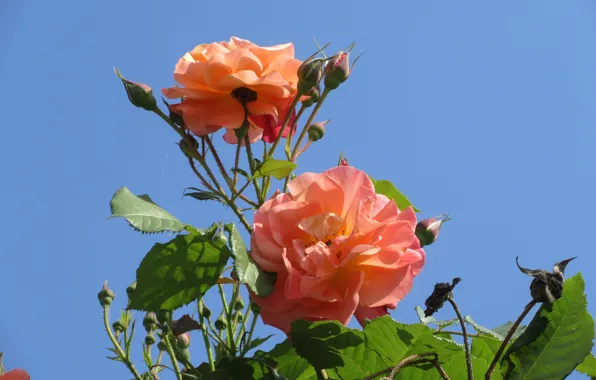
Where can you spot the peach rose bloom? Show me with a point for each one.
(338, 249)
(209, 74)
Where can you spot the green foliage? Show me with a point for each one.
(388, 189)
(142, 213)
(279, 169)
(556, 341)
(260, 282)
(504, 329)
(588, 366)
(432, 321)
(203, 195)
(483, 330)
(175, 273)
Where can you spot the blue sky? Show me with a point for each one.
(485, 110)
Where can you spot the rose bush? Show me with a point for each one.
(211, 72)
(338, 249)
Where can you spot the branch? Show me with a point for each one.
(464, 331)
(491, 369)
(412, 360)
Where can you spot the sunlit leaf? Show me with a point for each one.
(279, 169)
(142, 213)
(389, 190)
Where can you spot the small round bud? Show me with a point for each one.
(150, 322)
(162, 346)
(315, 95)
(150, 339)
(131, 289)
(183, 340)
(239, 316)
(309, 74)
(183, 355)
(204, 311)
(118, 327)
(256, 309)
(337, 70)
(239, 304)
(316, 131)
(164, 316)
(105, 295)
(221, 323)
(189, 148)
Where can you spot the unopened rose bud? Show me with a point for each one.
(105, 295)
(221, 323)
(189, 148)
(118, 327)
(337, 70)
(150, 340)
(256, 309)
(309, 74)
(183, 340)
(316, 131)
(205, 311)
(150, 322)
(239, 304)
(131, 289)
(139, 94)
(162, 346)
(183, 355)
(239, 316)
(428, 230)
(314, 96)
(343, 161)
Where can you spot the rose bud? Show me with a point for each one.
(256, 309)
(239, 304)
(139, 94)
(337, 70)
(316, 131)
(105, 295)
(310, 73)
(161, 345)
(164, 317)
(131, 289)
(118, 327)
(221, 323)
(546, 287)
(150, 340)
(204, 311)
(150, 322)
(427, 230)
(314, 96)
(183, 340)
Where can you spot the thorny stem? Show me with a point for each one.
(230, 332)
(206, 339)
(243, 326)
(252, 169)
(289, 139)
(222, 168)
(125, 358)
(519, 320)
(308, 122)
(236, 163)
(412, 360)
(199, 175)
(456, 333)
(253, 324)
(465, 333)
(170, 350)
(284, 125)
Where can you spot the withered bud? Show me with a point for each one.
(439, 296)
(546, 286)
(184, 324)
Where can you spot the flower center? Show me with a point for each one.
(323, 227)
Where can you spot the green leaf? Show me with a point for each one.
(279, 169)
(257, 342)
(588, 366)
(260, 282)
(485, 348)
(175, 273)
(483, 330)
(240, 171)
(431, 320)
(557, 340)
(289, 364)
(203, 195)
(142, 213)
(504, 329)
(389, 190)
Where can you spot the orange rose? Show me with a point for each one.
(211, 72)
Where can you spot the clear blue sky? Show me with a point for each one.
(486, 110)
